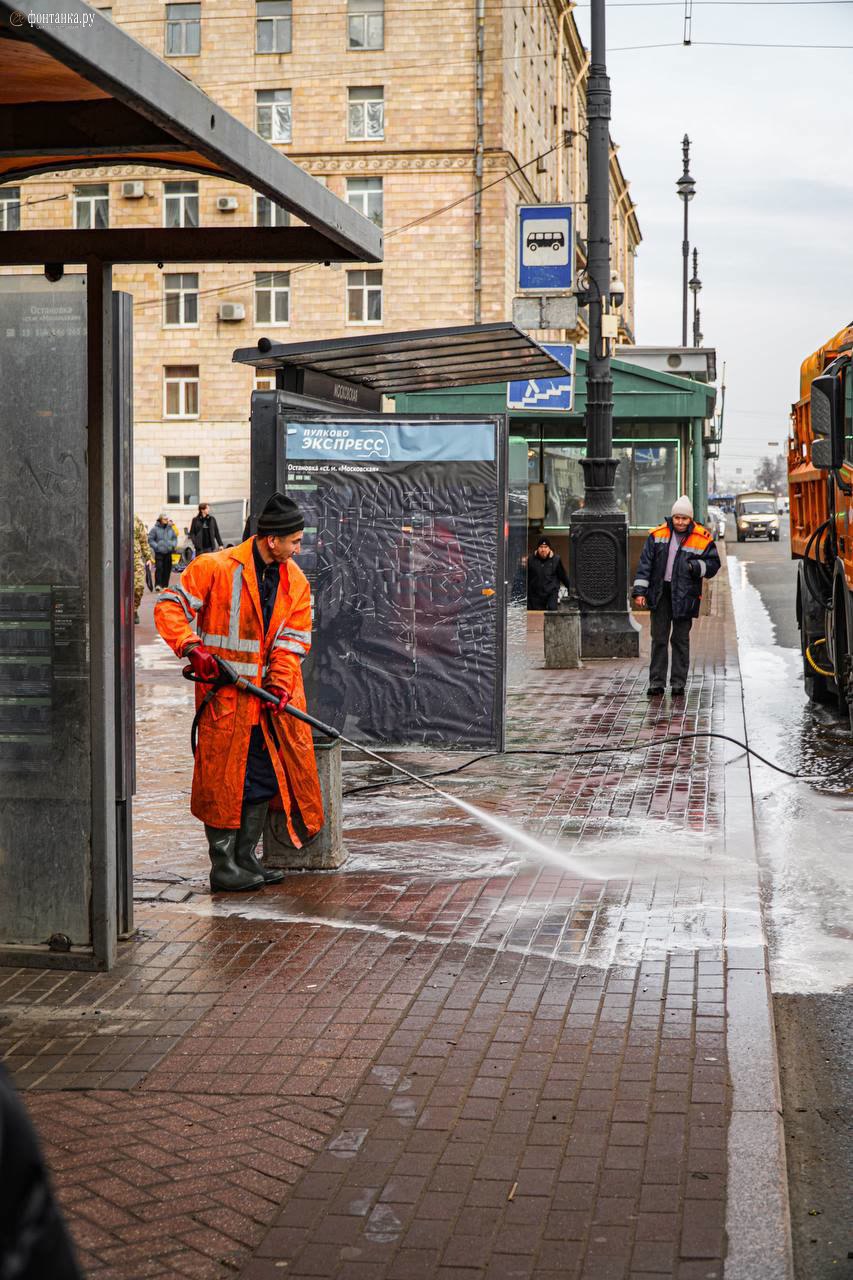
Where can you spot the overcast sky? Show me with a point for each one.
(772, 155)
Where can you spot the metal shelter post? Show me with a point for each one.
(102, 568)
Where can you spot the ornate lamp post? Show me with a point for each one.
(599, 530)
(695, 286)
(686, 188)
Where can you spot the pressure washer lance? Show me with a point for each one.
(228, 675)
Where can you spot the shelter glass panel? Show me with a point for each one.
(45, 719)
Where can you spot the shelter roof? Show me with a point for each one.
(121, 104)
(417, 360)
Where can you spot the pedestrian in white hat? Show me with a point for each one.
(677, 557)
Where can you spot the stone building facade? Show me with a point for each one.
(402, 108)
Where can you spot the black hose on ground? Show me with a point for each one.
(588, 751)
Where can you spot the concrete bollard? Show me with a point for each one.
(563, 638)
(326, 851)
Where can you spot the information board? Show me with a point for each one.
(404, 549)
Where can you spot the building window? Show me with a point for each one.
(364, 297)
(180, 391)
(270, 214)
(273, 26)
(92, 206)
(183, 30)
(365, 194)
(272, 297)
(181, 202)
(273, 118)
(182, 487)
(180, 298)
(366, 24)
(366, 114)
(10, 209)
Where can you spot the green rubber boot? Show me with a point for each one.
(251, 830)
(226, 876)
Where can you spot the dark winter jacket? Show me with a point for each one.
(543, 580)
(162, 539)
(696, 559)
(34, 1242)
(204, 534)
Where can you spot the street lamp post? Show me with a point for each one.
(686, 188)
(599, 529)
(695, 286)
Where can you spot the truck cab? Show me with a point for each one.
(756, 516)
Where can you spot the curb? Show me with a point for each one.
(758, 1222)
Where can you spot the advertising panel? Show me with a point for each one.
(404, 549)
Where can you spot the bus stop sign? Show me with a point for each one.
(545, 248)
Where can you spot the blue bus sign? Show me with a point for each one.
(545, 248)
(546, 393)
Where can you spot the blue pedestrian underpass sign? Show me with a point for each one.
(546, 393)
(545, 248)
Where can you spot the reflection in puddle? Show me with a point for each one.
(808, 877)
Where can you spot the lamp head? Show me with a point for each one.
(686, 187)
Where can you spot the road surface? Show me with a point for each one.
(807, 915)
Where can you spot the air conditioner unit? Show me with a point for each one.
(226, 204)
(133, 190)
(232, 311)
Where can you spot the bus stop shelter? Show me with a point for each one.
(77, 90)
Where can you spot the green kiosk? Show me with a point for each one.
(662, 434)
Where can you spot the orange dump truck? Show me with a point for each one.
(820, 485)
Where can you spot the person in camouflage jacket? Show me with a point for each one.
(141, 556)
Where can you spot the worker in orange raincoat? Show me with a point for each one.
(252, 606)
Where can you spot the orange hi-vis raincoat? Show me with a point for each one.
(219, 593)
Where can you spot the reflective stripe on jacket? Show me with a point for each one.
(697, 544)
(218, 594)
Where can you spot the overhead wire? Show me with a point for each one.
(406, 226)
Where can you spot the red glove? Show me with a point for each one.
(283, 699)
(203, 663)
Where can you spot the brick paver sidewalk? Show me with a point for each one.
(444, 1060)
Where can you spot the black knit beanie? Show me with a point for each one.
(280, 516)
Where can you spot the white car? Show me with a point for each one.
(717, 521)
